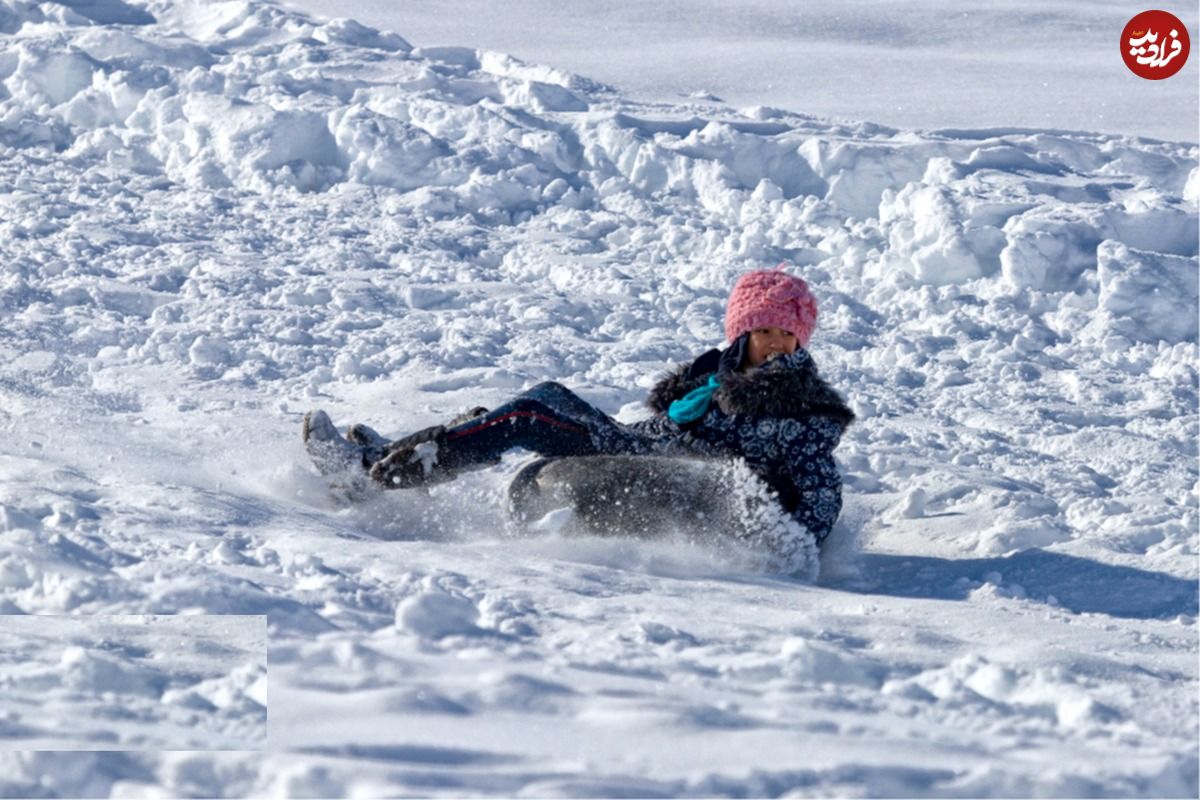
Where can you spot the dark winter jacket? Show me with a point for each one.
(781, 417)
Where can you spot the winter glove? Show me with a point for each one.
(467, 416)
(411, 461)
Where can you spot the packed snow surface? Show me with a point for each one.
(216, 216)
(927, 64)
(175, 682)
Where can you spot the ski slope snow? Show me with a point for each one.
(926, 64)
(216, 216)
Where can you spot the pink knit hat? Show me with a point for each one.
(771, 298)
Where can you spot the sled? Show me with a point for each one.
(623, 495)
(646, 497)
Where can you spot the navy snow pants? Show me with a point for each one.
(548, 419)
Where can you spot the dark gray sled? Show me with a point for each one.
(623, 495)
(659, 496)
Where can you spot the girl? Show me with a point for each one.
(760, 399)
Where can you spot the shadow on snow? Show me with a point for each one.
(1076, 584)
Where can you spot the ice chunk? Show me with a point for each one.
(1147, 297)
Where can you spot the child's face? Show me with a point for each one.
(766, 343)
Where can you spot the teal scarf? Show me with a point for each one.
(693, 405)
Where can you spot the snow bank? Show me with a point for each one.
(245, 96)
(432, 147)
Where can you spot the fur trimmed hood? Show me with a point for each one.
(785, 387)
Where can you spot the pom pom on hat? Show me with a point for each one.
(771, 298)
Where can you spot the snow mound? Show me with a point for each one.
(974, 679)
(1146, 296)
(436, 613)
(87, 671)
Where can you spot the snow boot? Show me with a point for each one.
(340, 461)
(413, 460)
(330, 453)
(374, 444)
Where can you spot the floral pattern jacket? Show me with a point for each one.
(781, 417)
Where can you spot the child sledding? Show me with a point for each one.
(759, 403)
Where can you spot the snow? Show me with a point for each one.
(135, 682)
(926, 64)
(216, 216)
